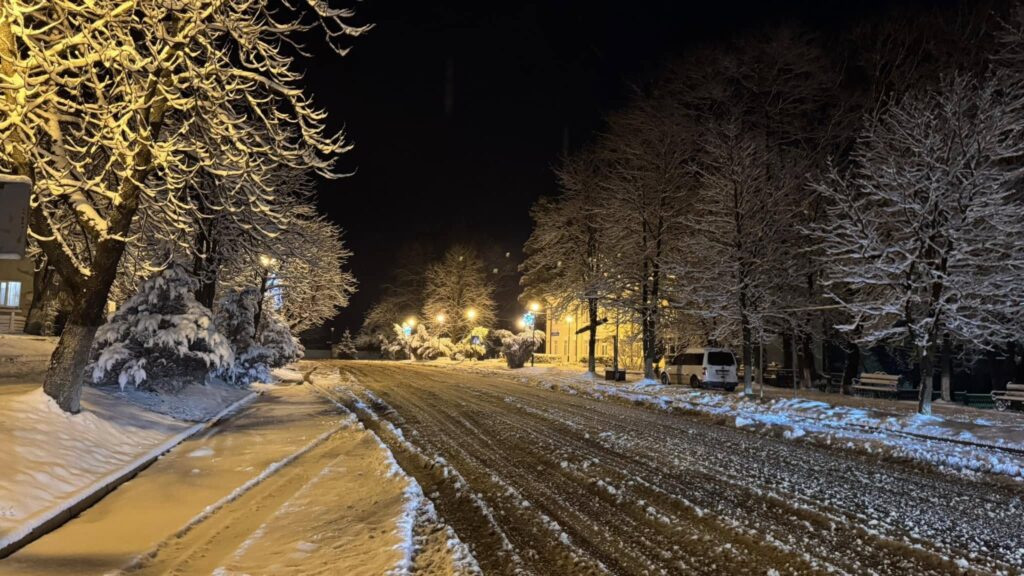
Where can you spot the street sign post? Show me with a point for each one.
(14, 197)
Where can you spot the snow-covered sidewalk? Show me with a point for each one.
(964, 440)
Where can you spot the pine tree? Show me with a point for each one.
(161, 338)
(345, 349)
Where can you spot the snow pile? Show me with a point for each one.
(161, 338)
(50, 459)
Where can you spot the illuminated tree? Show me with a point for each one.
(459, 291)
(118, 110)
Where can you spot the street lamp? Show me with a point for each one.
(471, 314)
(439, 318)
(534, 307)
(411, 321)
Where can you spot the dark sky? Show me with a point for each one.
(527, 80)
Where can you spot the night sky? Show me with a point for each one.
(433, 167)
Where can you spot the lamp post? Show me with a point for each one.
(267, 265)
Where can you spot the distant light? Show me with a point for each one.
(471, 314)
(521, 324)
(534, 307)
(568, 318)
(439, 318)
(494, 270)
(411, 322)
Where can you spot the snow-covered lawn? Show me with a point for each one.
(958, 438)
(22, 355)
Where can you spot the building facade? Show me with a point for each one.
(16, 278)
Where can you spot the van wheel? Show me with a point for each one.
(664, 378)
(694, 382)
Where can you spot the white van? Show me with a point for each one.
(702, 368)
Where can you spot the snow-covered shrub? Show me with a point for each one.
(398, 347)
(161, 338)
(345, 349)
(519, 347)
(255, 355)
(474, 345)
(281, 345)
(427, 347)
(236, 320)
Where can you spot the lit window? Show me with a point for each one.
(10, 294)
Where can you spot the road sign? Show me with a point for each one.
(14, 195)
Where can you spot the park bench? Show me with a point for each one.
(1004, 399)
(881, 384)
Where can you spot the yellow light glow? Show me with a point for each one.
(568, 319)
(439, 318)
(534, 307)
(411, 321)
(471, 314)
(520, 323)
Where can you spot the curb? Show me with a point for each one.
(26, 535)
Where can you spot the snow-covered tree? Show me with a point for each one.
(256, 350)
(745, 250)
(924, 236)
(282, 346)
(115, 108)
(565, 254)
(345, 349)
(518, 348)
(458, 294)
(161, 338)
(642, 198)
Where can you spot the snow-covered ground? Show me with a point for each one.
(23, 356)
(960, 439)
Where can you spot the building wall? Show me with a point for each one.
(571, 348)
(16, 271)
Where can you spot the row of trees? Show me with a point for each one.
(155, 133)
(448, 298)
(784, 184)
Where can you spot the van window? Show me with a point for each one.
(693, 359)
(720, 359)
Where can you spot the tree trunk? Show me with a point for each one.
(788, 356)
(592, 344)
(64, 377)
(748, 365)
(808, 367)
(45, 291)
(947, 370)
(924, 404)
(852, 367)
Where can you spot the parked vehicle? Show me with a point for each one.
(702, 368)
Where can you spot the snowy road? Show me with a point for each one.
(543, 482)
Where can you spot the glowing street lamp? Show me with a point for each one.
(471, 314)
(521, 324)
(439, 318)
(411, 321)
(534, 307)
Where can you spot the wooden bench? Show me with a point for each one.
(1004, 399)
(880, 383)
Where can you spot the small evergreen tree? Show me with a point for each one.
(345, 349)
(161, 338)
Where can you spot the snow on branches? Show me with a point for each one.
(161, 338)
(924, 235)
